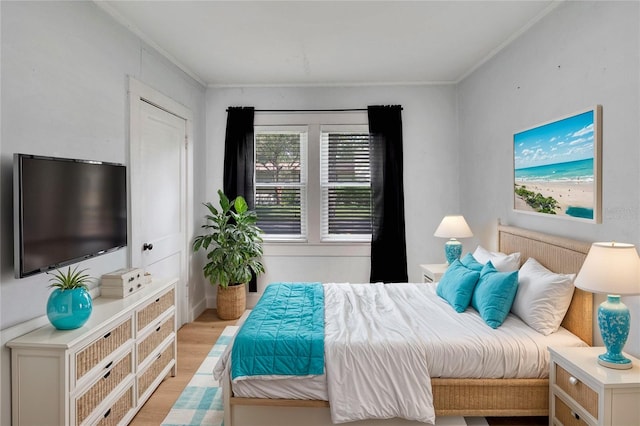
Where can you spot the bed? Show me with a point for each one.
(451, 396)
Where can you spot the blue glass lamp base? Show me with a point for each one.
(614, 320)
(452, 250)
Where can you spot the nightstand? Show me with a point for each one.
(432, 272)
(582, 392)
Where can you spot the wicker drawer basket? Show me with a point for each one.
(150, 312)
(102, 347)
(566, 416)
(151, 342)
(118, 410)
(88, 401)
(580, 392)
(155, 369)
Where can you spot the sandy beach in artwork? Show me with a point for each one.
(566, 193)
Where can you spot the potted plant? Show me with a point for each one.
(69, 306)
(234, 248)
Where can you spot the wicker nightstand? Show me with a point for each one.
(582, 392)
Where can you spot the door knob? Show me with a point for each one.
(147, 246)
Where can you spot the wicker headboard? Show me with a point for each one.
(558, 254)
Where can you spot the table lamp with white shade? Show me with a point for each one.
(452, 227)
(613, 269)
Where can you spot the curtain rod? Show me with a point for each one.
(311, 110)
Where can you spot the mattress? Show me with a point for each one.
(458, 345)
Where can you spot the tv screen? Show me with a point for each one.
(66, 210)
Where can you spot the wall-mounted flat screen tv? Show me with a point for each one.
(66, 210)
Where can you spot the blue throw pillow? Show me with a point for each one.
(494, 294)
(457, 284)
(470, 262)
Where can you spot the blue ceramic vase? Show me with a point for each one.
(69, 309)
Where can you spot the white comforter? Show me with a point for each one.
(376, 363)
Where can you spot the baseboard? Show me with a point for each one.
(197, 310)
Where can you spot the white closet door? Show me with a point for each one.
(158, 196)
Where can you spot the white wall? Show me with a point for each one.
(64, 93)
(582, 54)
(430, 169)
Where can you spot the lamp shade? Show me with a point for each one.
(453, 226)
(610, 268)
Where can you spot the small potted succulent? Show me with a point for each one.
(69, 305)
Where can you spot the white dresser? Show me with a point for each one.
(101, 373)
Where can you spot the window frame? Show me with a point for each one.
(314, 121)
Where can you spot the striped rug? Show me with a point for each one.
(201, 400)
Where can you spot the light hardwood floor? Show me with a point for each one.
(194, 343)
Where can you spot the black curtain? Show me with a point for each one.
(238, 154)
(239, 160)
(388, 242)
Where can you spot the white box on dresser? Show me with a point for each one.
(583, 392)
(101, 373)
(122, 283)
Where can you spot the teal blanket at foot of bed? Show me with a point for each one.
(283, 335)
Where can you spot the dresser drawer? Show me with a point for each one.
(564, 414)
(153, 340)
(155, 369)
(86, 403)
(586, 397)
(150, 312)
(102, 347)
(114, 414)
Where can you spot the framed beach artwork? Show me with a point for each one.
(557, 167)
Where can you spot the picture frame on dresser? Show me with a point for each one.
(558, 167)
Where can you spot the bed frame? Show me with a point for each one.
(453, 397)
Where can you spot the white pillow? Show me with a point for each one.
(543, 297)
(502, 262)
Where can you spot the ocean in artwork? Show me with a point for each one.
(559, 189)
(580, 170)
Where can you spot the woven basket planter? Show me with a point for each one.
(231, 302)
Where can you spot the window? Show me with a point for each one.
(345, 180)
(281, 181)
(313, 180)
